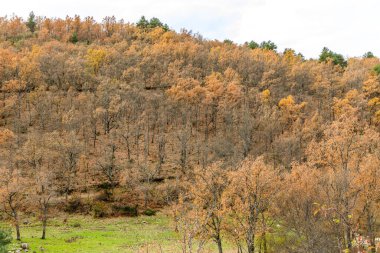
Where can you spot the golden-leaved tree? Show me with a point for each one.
(248, 198)
(339, 155)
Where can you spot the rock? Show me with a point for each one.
(24, 246)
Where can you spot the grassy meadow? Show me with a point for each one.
(86, 234)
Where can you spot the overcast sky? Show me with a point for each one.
(349, 27)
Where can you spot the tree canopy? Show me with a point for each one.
(336, 58)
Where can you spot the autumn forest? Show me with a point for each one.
(241, 145)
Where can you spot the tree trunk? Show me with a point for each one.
(251, 246)
(371, 223)
(44, 220)
(251, 241)
(219, 242)
(66, 197)
(264, 236)
(126, 137)
(347, 226)
(18, 235)
(94, 138)
(17, 225)
(265, 247)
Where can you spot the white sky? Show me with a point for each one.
(349, 27)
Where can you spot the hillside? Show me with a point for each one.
(116, 119)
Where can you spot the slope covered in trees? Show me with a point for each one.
(241, 142)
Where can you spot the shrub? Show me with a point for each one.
(126, 210)
(149, 212)
(73, 205)
(105, 196)
(377, 69)
(76, 225)
(5, 239)
(76, 205)
(101, 210)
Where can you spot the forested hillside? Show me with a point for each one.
(264, 149)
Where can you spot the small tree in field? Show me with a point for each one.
(12, 196)
(41, 159)
(45, 190)
(12, 184)
(189, 224)
(206, 194)
(248, 197)
(349, 178)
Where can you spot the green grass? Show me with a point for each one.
(86, 234)
(103, 235)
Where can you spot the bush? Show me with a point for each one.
(105, 186)
(5, 239)
(76, 225)
(377, 69)
(105, 196)
(101, 210)
(126, 210)
(149, 212)
(76, 205)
